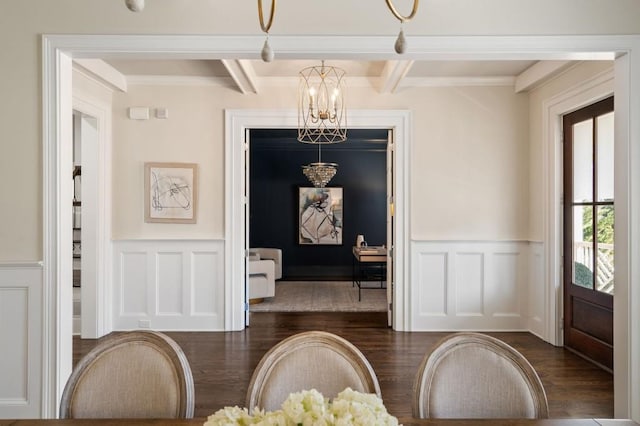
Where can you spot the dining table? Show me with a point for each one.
(406, 421)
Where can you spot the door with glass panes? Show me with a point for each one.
(588, 232)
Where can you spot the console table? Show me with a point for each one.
(369, 264)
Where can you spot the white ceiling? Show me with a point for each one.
(290, 68)
(248, 76)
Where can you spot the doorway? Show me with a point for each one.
(317, 274)
(92, 141)
(237, 123)
(588, 269)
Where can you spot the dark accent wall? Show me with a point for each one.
(275, 162)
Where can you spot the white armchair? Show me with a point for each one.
(269, 253)
(265, 266)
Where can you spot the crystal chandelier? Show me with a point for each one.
(322, 116)
(319, 174)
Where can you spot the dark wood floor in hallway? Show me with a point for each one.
(222, 362)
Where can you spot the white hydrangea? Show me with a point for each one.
(307, 408)
(351, 408)
(311, 408)
(229, 416)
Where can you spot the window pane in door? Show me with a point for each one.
(605, 271)
(583, 246)
(583, 161)
(605, 157)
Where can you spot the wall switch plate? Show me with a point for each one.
(144, 323)
(162, 113)
(139, 113)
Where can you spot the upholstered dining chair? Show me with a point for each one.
(473, 375)
(135, 374)
(309, 360)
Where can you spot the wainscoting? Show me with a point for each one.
(168, 285)
(478, 285)
(21, 337)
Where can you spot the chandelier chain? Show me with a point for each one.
(401, 17)
(267, 27)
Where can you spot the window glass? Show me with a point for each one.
(605, 157)
(583, 246)
(583, 161)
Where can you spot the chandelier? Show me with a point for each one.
(319, 174)
(267, 53)
(322, 117)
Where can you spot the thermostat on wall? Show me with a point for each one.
(139, 113)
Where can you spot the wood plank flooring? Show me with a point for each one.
(222, 362)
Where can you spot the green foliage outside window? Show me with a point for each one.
(605, 224)
(583, 275)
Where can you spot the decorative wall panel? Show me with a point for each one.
(469, 284)
(169, 285)
(20, 339)
(170, 277)
(476, 285)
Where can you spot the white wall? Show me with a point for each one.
(469, 156)
(469, 164)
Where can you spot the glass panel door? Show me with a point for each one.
(589, 275)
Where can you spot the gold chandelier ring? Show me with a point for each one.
(397, 14)
(267, 27)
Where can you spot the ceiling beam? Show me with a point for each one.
(392, 75)
(103, 72)
(538, 73)
(242, 73)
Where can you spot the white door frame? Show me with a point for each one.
(96, 219)
(236, 124)
(58, 51)
(587, 92)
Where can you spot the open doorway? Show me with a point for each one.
(318, 268)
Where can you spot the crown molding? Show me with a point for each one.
(178, 80)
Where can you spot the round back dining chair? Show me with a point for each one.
(309, 360)
(472, 375)
(136, 374)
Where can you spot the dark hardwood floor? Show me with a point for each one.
(222, 362)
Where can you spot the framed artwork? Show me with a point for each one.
(320, 216)
(171, 192)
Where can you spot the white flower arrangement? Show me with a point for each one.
(310, 408)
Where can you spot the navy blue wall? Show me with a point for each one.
(275, 161)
